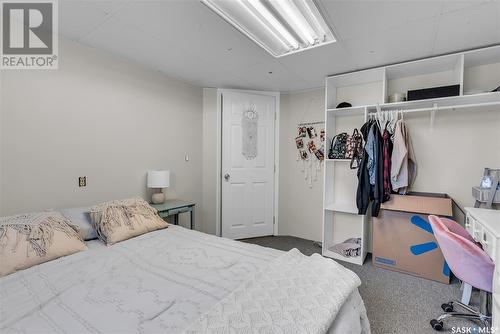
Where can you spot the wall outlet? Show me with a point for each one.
(82, 181)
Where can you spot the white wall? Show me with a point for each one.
(481, 78)
(97, 116)
(451, 158)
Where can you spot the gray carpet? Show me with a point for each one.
(395, 303)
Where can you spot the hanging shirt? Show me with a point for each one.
(377, 191)
(403, 163)
(387, 148)
(364, 188)
(370, 151)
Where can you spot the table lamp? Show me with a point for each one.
(158, 179)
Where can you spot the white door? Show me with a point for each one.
(248, 125)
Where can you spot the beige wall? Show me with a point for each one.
(1, 147)
(300, 207)
(101, 117)
(209, 159)
(451, 158)
(112, 120)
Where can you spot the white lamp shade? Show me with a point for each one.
(158, 179)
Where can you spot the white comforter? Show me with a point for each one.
(292, 294)
(162, 281)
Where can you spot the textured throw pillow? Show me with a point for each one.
(80, 220)
(34, 238)
(119, 220)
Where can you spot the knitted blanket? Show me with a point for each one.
(292, 294)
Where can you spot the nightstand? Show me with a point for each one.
(172, 207)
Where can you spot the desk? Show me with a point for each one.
(484, 226)
(172, 207)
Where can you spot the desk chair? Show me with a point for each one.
(467, 261)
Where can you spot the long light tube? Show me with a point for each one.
(295, 19)
(310, 16)
(281, 27)
(257, 18)
(262, 10)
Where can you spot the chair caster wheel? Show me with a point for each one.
(436, 325)
(447, 307)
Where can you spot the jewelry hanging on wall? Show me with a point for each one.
(303, 157)
(302, 131)
(311, 150)
(311, 132)
(299, 142)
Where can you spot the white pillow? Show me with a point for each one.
(120, 220)
(34, 238)
(80, 219)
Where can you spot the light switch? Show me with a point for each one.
(82, 181)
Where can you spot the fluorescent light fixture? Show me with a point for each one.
(281, 27)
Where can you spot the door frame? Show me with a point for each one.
(218, 177)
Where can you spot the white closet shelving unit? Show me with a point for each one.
(366, 90)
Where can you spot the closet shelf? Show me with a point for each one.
(363, 89)
(473, 100)
(343, 207)
(356, 260)
(351, 111)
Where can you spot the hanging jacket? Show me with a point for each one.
(378, 188)
(403, 163)
(387, 144)
(364, 187)
(370, 151)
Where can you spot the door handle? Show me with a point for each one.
(227, 176)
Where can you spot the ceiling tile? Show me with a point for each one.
(405, 42)
(280, 78)
(186, 40)
(77, 18)
(201, 73)
(312, 65)
(465, 29)
(194, 27)
(360, 19)
(119, 38)
(453, 6)
(107, 6)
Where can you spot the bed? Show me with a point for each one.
(163, 281)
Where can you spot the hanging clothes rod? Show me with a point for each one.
(436, 107)
(311, 123)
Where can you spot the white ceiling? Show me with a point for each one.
(186, 40)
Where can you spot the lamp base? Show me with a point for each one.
(158, 198)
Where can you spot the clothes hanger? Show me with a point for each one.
(385, 119)
(393, 120)
(380, 116)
